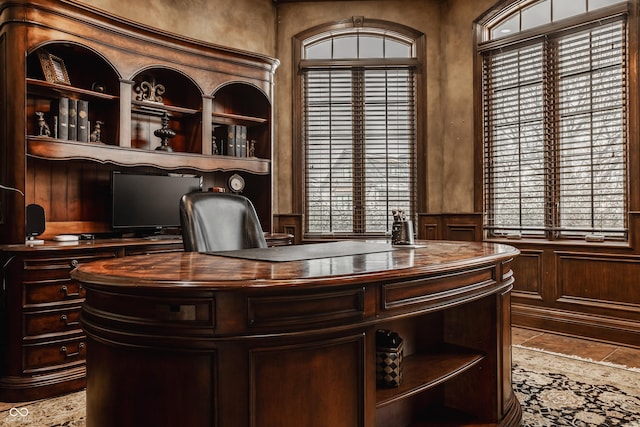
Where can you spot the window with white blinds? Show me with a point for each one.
(555, 135)
(360, 148)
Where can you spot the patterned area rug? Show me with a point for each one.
(554, 390)
(63, 411)
(557, 390)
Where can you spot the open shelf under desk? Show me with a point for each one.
(427, 370)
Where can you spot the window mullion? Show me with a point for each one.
(359, 176)
(551, 135)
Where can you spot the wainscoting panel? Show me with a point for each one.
(461, 227)
(289, 224)
(529, 277)
(587, 293)
(569, 287)
(596, 279)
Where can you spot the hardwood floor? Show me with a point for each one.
(588, 349)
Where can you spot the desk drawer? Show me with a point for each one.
(306, 309)
(52, 322)
(52, 291)
(47, 268)
(153, 249)
(49, 355)
(431, 292)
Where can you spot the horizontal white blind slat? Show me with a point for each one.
(359, 135)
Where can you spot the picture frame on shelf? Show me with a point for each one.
(53, 68)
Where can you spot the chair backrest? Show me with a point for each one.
(219, 222)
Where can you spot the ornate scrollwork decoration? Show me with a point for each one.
(150, 91)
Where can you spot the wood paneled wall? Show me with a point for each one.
(70, 193)
(466, 227)
(574, 288)
(289, 224)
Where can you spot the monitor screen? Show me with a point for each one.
(149, 201)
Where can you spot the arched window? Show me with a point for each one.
(554, 108)
(525, 15)
(358, 133)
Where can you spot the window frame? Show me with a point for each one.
(526, 37)
(298, 154)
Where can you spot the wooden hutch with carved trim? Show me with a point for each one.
(124, 79)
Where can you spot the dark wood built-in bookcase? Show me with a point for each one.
(65, 63)
(126, 82)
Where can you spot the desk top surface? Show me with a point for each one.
(215, 272)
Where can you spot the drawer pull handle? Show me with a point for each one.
(65, 319)
(63, 349)
(66, 293)
(74, 263)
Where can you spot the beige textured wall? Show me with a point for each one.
(448, 27)
(241, 24)
(456, 184)
(259, 26)
(422, 15)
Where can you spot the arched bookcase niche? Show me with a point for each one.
(70, 89)
(239, 103)
(156, 91)
(72, 72)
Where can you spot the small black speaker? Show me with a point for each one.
(35, 220)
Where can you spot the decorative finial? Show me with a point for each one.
(164, 133)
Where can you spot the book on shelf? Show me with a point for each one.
(60, 108)
(73, 119)
(241, 141)
(237, 144)
(236, 141)
(83, 121)
(231, 140)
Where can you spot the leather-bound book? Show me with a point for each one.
(83, 120)
(231, 140)
(241, 141)
(60, 109)
(73, 119)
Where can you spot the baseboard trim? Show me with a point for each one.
(601, 328)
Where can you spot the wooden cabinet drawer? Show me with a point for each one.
(46, 279)
(37, 269)
(302, 310)
(153, 249)
(58, 267)
(52, 355)
(52, 291)
(52, 321)
(431, 292)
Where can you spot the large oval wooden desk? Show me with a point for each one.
(202, 340)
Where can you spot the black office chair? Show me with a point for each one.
(214, 222)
